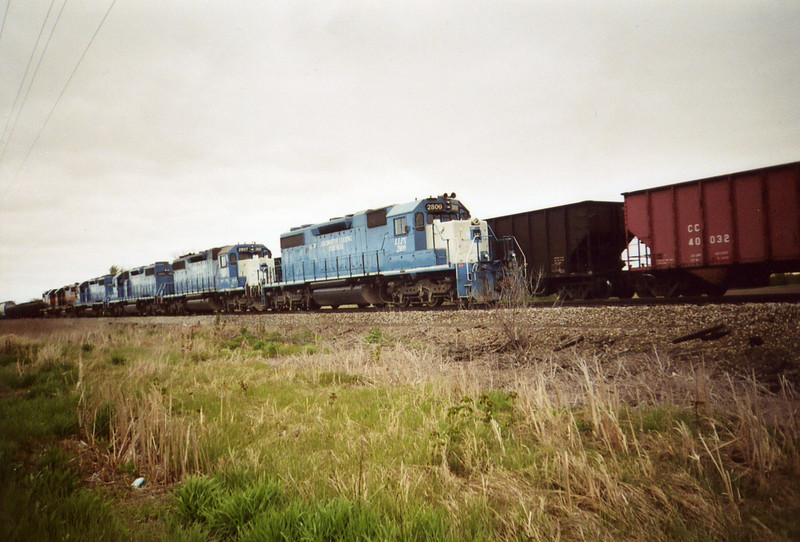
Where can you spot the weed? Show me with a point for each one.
(117, 359)
(38, 418)
(48, 504)
(197, 498)
(375, 336)
(272, 345)
(17, 352)
(375, 354)
(101, 424)
(128, 467)
(469, 435)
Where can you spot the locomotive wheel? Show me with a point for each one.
(434, 302)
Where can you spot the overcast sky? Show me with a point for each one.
(194, 124)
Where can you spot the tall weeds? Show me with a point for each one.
(334, 439)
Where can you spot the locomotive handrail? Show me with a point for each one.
(506, 239)
(334, 267)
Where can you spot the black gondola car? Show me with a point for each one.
(573, 250)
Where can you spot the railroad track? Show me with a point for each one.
(730, 299)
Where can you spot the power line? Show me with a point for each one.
(32, 79)
(3, 26)
(58, 100)
(27, 68)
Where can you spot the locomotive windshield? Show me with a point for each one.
(445, 211)
(445, 217)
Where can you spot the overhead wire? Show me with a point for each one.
(58, 100)
(28, 67)
(32, 79)
(3, 25)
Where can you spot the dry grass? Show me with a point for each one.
(566, 448)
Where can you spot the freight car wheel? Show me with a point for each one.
(716, 290)
(624, 291)
(646, 286)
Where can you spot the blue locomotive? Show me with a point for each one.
(423, 252)
(219, 279)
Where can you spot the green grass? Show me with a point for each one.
(40, 496)
(271, 345)
(253, 507)
(256, 439)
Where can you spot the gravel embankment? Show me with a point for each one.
(759, 339)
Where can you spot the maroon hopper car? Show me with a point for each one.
(708, 235)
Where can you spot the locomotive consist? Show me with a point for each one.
(423, 253)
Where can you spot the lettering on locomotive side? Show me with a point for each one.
(336, 245)
(401, 244)
(434, 207)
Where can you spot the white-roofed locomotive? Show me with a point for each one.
(423, 252)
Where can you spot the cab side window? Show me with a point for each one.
(400, 227)
(419, 221)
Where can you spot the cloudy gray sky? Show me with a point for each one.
(192, 124)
